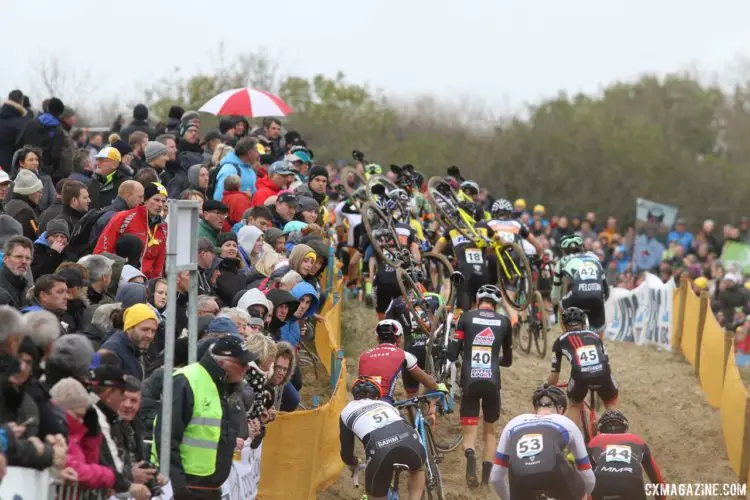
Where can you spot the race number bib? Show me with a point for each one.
(587, 355)
(618, 453)
(380, 417)
(588, 271)
(529, 445)
(481, 357)
(474, 256)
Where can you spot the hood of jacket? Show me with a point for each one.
(265, 182)
(321, 249)
(247, 237)
(42, 240)
(305, 288)
(48, 120)
(11, 109)
(193, 175)
(287, 348)
(268, 263)
(253, 297)
(279, 297)
(128, 273)
(297, 255)
(232, 157)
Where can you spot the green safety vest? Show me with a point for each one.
(201, 437)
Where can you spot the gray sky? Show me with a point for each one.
(500, 52)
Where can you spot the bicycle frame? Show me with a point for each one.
(485, 244)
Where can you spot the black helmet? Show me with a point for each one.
(389, 330)
(490, 293)
(573, 316)
(613, 422)
(366, 388)
(554, 393)
(501, 209)
(469, 207)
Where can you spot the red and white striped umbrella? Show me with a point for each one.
(248, 102)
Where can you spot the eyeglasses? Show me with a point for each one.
(281, 369)
(21, 258)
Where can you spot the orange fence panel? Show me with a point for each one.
(734, 420)
(711, 368)
(691, 326)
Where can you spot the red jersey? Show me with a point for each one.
(621, 456)
(384, 363)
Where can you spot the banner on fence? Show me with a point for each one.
(643, 315)
(735, 252)
(652, 224)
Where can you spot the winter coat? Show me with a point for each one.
(83, 456)
(127, 353)
(231, 279)
(137, 125)
(277, 296)
(46, 259)
(206, 231)
(13, 119)
(135, 221)
(49, 194)
(118, 205)
(109, 455)
(12, 288)
(51, 417)
(265, 189)
(228, 167)
(50, 213)
(179, 178)
(46, 133)
(103, 191)
(282, 348)
(237, 202)
(290, 332)
(22, 209)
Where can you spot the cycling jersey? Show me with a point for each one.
(589, 364)
(384, 363)
(585, 274)
(385, 283)
(617, 461)
(414, 338)
(349, 216)
(510, 231)
(387, 439)
(480, 335)
(532, 451)
(471, 262)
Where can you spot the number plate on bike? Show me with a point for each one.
(587, 356)
(474, 256)
(529, 445)
(618, 453)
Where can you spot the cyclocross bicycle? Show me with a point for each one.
(589, 416)
(392, 489)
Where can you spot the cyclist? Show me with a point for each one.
(589, 364)
(481, 334)
(470, 258)
(415, 339)
(386, 361)
(387, 439)
(618, 459)
(507, 229)
(531, 452)
(588, 283)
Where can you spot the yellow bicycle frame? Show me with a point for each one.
(481, 242)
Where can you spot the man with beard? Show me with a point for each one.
(139, 330)
(145, 222)
(50, 294)
(17, 258)
(77, 296)
(317, 185)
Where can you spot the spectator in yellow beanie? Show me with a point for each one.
(700, 283)
(140, 324)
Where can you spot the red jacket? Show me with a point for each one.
(83, 456)
(238, 202)
(266, 189)
(135, 221)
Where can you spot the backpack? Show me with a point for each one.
(212, 178)
(80, 236)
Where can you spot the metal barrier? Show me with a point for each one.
(59, 491)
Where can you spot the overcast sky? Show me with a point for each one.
(502, 52)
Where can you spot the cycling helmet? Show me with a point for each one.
(573, 316)
(569, 242)
(501, 209)
(399, 195)
(366, 388)
(418, 179)
(389, 330)
(489, 292)
(470, 187)
(613, 422)
(552, 392)
(469, 207)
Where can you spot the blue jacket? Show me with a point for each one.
(290, 332)
(683, 239)
(227, 168)
(128, 354)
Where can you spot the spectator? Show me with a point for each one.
(226, 243)
(207, 306)
(259, 217)
(108, 385)
(706, 235)
(145, 223)
(53, 210)
(100, 277)
(29, 158)
(316, 188)
(680, 235)
(76, 200)
(129, 196)
(286, 396)
(76, 280)
(50, 294)
(240, 163)
(140, 325)
(189, 139)
(46, 133)
(4, 187)
(241, 127)
(83, 167)
(236, 201)
(156, 156)
(284, 209)
(126, 153)
(206, 270)
(275, 240)
(101, 325)
(137, 142)
(212, 140)
(280, 175)
(173, 120)
(206, 381)
(172, 166)
(284, 306)
(308, 303)
(17, 258)
(108, 176)
(270, 134)
(308, 210)
(24, 205)
(50, 249)
(96, 141)
(212, 222)
(250, 241)
(13, 119)
(84, 435)
(231, 279)
(139, 123)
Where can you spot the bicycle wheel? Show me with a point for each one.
(381, 180)
(445, 202)
(383, 237)
(436, 271)
(414, 299)
(524, 337)
(447, 437)
(585, 424)
(540, 322)
(521, 279)
(434, 486)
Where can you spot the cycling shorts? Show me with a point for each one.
(467, 291)
(410, 383)
(384, 293)
(605, 387)
(561, 483)
(482, 392)
(592, 303)
(613, 487)
(396, 443)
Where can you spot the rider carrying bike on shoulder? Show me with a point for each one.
(387, 439)
(589, 364)
(619, 459)
(532, 453)
(587, 282)
(481, 334)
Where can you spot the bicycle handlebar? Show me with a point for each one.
(417, 400)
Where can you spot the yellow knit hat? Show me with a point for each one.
(137, 314)
(701, 282)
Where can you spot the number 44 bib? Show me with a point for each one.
(618, 453)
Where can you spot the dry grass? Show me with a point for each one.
(672, 415)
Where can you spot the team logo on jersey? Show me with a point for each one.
(485, 337)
